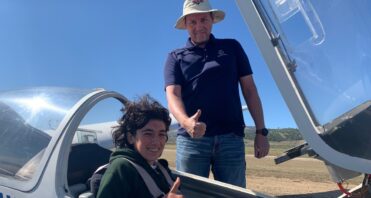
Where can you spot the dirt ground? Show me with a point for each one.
(300, 177)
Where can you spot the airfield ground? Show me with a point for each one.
(301, 177)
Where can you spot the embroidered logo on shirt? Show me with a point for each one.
(221, 53)
(197, 1)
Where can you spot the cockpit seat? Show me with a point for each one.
(84, 159)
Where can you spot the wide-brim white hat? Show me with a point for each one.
(198, 6)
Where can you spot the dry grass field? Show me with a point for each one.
(301, 177)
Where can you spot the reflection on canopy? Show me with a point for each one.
(16, 149)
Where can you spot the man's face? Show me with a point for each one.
(199, 27)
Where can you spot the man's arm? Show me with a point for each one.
(252, 99)
(176, 106)
(254, 105)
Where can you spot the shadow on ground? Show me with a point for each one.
(328, 194)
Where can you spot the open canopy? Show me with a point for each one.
(319, 54)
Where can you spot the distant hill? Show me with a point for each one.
(275, 135)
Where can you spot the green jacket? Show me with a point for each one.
(122, 180)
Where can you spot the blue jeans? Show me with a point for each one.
(224, 154)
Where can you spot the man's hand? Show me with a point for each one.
(261, 146)
(195, 128)
(174, 190)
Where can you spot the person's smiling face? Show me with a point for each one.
(150, 140)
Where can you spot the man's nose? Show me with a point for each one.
(199, 26)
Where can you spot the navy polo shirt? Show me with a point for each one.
(209, 78)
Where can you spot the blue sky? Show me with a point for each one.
(118, 45)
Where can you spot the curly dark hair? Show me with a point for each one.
(135, 116)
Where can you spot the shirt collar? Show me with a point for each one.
(190, 45)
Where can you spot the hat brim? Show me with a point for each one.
(218, 16)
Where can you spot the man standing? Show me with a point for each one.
(201, 82)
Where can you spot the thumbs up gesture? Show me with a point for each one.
(195, 128)
(174, 189)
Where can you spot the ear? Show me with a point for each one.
(130, 138)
